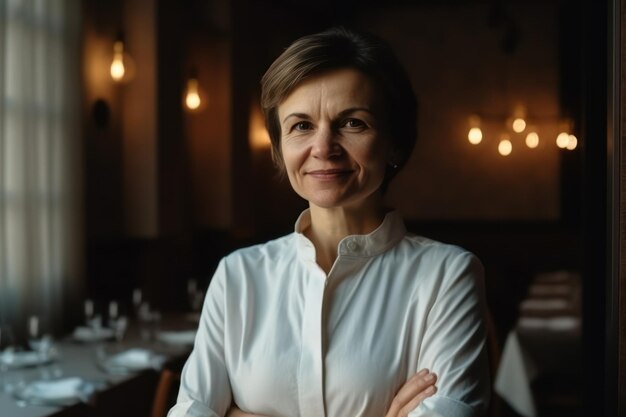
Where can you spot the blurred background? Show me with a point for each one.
(168, 190)
(133, 155)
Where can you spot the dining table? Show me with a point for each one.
(113, 390)
(545, 341)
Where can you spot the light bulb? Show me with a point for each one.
(532, 140)
(192, 98)
(475, 135)
(572, 142)
(519, 125)
(562, 140)
(505, 147)
(117, 66)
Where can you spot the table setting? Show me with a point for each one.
(112, 346)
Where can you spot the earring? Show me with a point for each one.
(393, 165)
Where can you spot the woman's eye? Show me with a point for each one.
(301, 126)
(354, 123)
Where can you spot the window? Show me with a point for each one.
(39, 158)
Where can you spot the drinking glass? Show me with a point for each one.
(7, 350)
(119, 326)
(194, 295)
(118, 323)
(41, 342)
(137, 301)
(149, 322)
(93, 321)
(113, 310)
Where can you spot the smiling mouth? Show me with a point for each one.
(329, 174)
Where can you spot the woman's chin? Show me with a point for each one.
(336, 201)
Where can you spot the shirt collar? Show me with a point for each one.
(385, 236)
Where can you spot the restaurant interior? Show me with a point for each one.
(164, 166)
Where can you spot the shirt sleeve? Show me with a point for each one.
(454, 345)
(205, 387)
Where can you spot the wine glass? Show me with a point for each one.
(39, 341)
(93, 321)
(137, 301)
(7, 350)
(194, 295)
(149, 321)
(119, 327)
(117, 323)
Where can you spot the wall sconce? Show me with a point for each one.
(505, 147)
(475, 134)
(258, 137)
(565, 140)
(195, 99)
(519, 124)
(122, 66)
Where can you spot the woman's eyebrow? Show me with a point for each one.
(342, 113)
(354, 110)
(298, 115)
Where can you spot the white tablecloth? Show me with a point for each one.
(545, 339)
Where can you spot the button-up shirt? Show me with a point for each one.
(280, 337)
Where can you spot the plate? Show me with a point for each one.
(59, 392)
(132, 360)
(88, 334)
(24, 359)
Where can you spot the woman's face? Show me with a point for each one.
(334, 142)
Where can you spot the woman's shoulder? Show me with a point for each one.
(436, 255)
(422, 245)
(443, 268)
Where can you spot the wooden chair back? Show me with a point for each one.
(166, 392)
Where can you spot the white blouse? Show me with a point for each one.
(279, 337)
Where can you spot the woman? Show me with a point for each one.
(349, 315)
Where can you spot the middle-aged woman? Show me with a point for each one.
(349, 315)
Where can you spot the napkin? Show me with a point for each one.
(135, 359)
(22, 359)
(60, 389)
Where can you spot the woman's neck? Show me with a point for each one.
(330, 226)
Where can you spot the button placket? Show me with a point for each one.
(311, 368)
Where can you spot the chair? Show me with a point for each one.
(166, 392)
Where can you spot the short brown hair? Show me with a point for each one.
(335, 48)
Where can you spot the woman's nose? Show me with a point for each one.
(325, 144)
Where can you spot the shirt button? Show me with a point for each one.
(353, 246)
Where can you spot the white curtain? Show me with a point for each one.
(40, 199)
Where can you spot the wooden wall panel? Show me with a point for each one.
(616, 336)
(621, 244)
